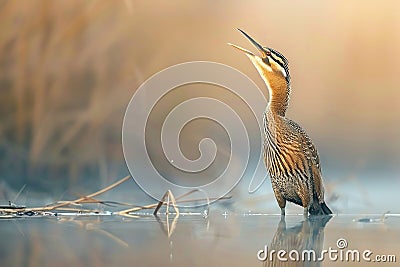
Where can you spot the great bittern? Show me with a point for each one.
(290, 156)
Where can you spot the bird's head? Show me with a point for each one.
(271, 65)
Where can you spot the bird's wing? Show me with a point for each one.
(312, 156)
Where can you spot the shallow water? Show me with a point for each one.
(222, 239)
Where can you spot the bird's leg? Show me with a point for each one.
(305, 212)
(281, 201)
(282, 213)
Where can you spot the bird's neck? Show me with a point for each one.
(278, 97)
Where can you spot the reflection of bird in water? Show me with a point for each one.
(290, 156)
(306, 236)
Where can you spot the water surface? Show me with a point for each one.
(222, 239)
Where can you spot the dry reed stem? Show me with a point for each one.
(170, 198)
(151, 206)
(86, 197)
(72, 202)
(62, 205)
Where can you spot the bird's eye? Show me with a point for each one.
(268, 53)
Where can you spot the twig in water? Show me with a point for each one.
(169, 197)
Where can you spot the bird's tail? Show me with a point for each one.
(319, 209)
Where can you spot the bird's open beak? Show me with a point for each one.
(257, 45)
(242, 49)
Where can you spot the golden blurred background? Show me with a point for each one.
(69, 68)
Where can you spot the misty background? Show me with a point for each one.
(69, 68)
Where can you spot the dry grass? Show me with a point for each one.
(63, 96)
(69, 68)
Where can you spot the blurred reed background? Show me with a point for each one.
(69, 68)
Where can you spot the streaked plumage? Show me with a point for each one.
(291, 158)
